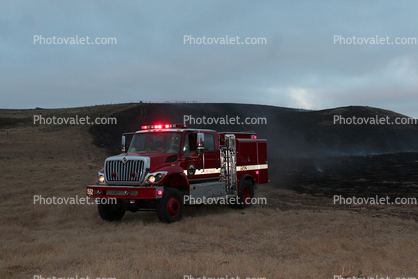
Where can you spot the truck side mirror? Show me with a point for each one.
(200, 143)
(123, 143)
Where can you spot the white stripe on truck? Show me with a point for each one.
(239, 168)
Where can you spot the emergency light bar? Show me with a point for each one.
(163, 126)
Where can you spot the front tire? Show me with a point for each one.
(111, 212)
(170, 206)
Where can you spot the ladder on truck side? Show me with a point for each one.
(229, 165)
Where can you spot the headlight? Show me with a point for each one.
(101, 178)
(155, 177)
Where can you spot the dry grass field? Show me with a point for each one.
(293, 236)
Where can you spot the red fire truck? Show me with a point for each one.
(168, 166)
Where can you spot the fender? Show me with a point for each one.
(179, 181)
(171, 170)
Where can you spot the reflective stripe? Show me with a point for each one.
(239, 168)
(206, 171)
(252, 167)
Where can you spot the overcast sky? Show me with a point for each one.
(300, 66)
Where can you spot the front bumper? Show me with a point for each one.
(125, 192)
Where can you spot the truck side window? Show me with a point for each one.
(190, 143)
(209, 143)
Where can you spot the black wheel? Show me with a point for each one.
(170, 206)
(111, 212)
(246, 194)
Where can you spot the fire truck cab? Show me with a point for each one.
(167, 166)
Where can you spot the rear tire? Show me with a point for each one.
(170, 206)
(111, 212)
(246, 194)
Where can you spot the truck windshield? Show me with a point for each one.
(167, 142)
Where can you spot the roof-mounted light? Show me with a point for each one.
(161, 126)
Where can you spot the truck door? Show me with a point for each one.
(191, 161)
(211, 155)
(204, 166)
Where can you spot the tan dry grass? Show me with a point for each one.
(65, 240)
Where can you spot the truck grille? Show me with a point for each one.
(130, 170)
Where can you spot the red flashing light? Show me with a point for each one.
(256, 172)
(165, 126)
(159, 192)
(254, 137)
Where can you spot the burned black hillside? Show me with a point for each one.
(290, 132)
